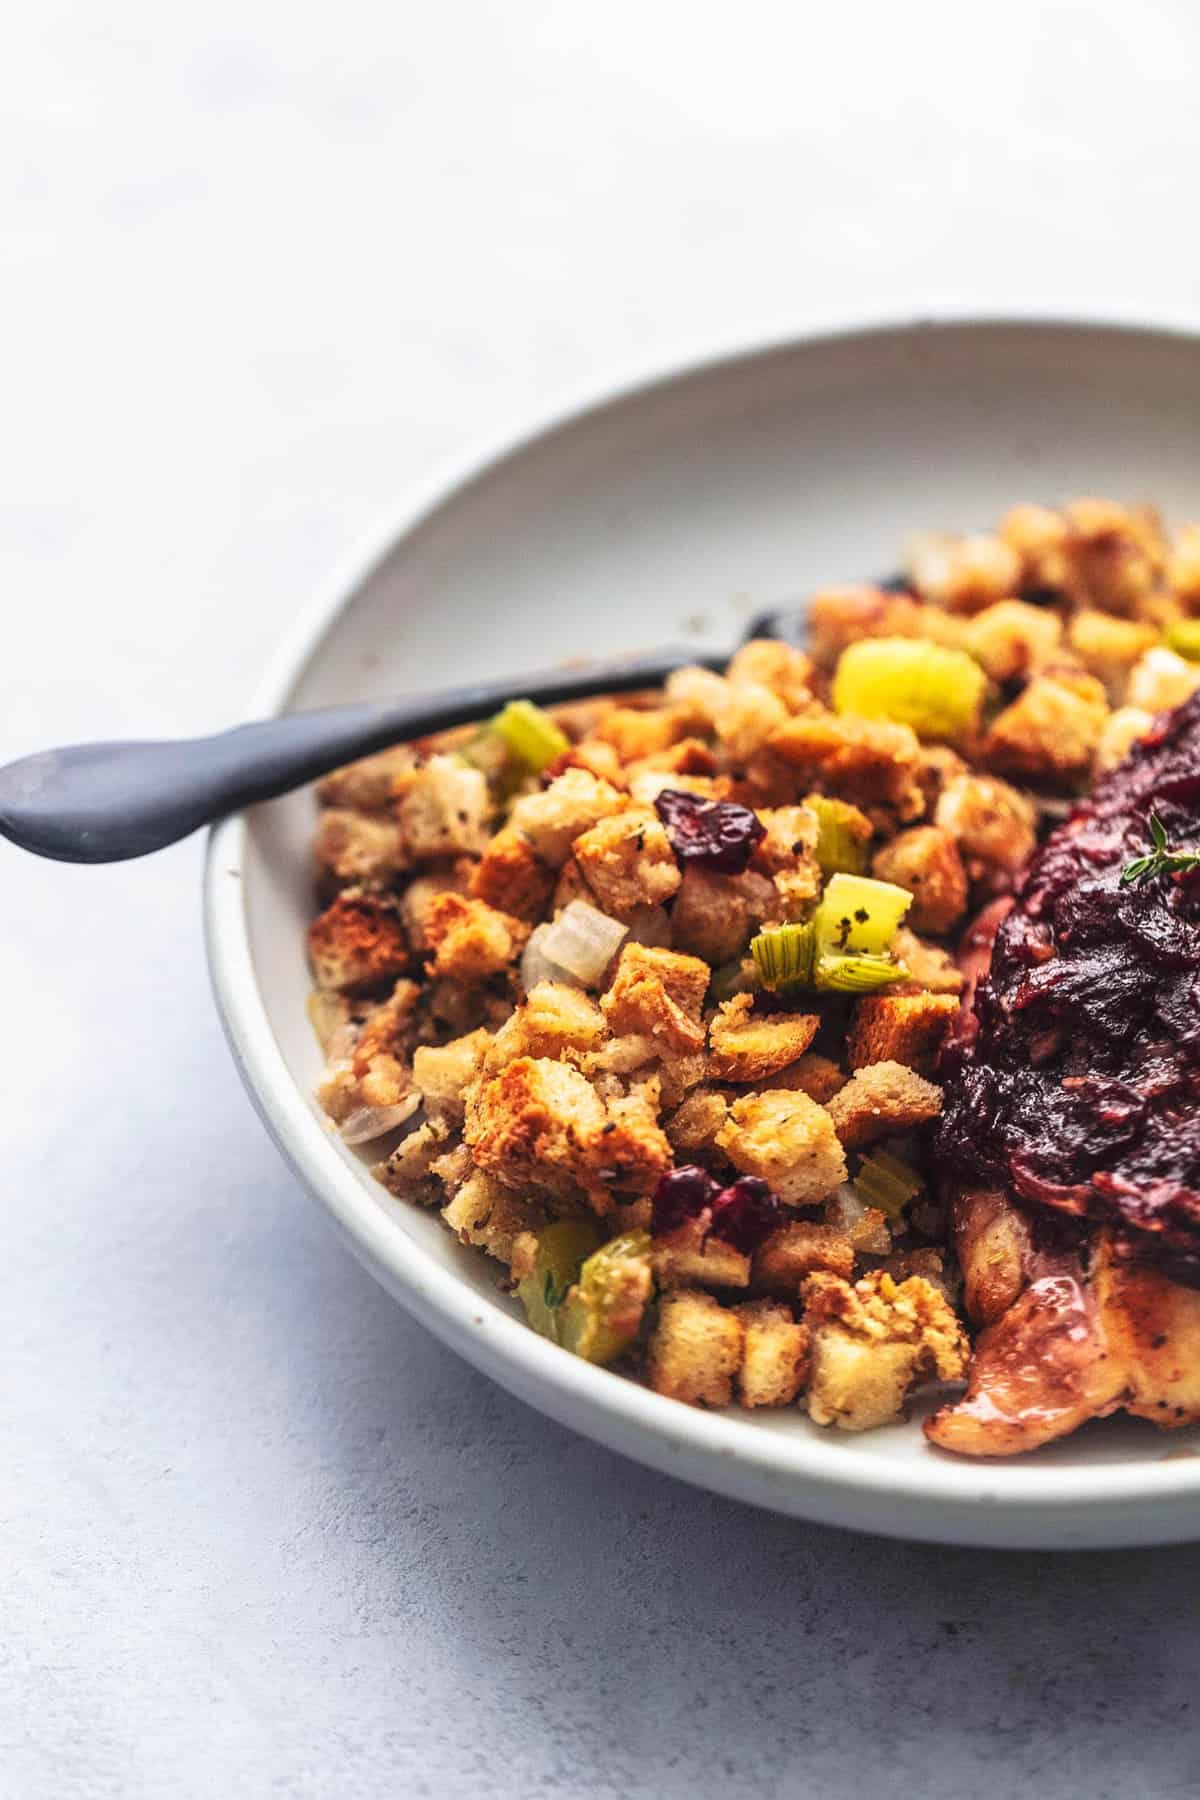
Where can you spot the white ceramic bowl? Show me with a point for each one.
(682, 507)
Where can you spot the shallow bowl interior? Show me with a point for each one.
(678, 510)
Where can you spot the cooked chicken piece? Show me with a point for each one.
(992, 1240)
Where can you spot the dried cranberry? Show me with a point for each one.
(745, 1213)
(717, 833)
(681, 1195)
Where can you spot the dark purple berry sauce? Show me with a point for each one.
(718, 834)
(742, 1214)
(1079, 1089)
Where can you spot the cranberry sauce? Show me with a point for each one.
(1078, 1090)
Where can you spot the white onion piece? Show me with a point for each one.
(844, 1209)
(368, 1122)
(583, 941)
(537, 966)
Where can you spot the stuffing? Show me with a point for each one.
(1122, 730)
(408, 1172)
(991, 821)
(367, 786)
(840, 616)
(1040, 539)
(512, 877)
(783, 1263)
(1161, 680)
(634, 733)
(444, 809)
(627, 862)
(1013, 639)
(745, 1048)
(695, 1349)
(787, 1139)
(691, 1257)
(963, 574)
(715, 916)
(596, 757)
(770, 663)
(899, 1028)
(868, 760)
(1183, 565)
(1051, 729)
(873, 1343)
(442, 1073)
(1116, 553)
(658, 994)
(1108, 647)
(749, 715)
(331, 1016)
(817, 1076)
(470, 939)
(695, 1123)
(417, 899)
(554, 1020)
(930, 968)
(485, 1213)
(358, 942)
(925, 860)
(774, 1354)
(357, 848)
(553, 818)
(882, 1099)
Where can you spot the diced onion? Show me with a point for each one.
(366, 1123)
(583, 941)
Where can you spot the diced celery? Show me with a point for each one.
(842, 834)
(603, 1312)
(1183, 636)
(856, 974)
(937, 690)
(887, 1183)
(783, 955)
(562, 1249)
(857, 916)
(530, 734)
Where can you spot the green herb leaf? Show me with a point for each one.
(1161, 860)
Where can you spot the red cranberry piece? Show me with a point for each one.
(715, 833)
(745, 1213)
(681, 1194)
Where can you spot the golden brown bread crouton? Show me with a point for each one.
(747, 718)
(774, 1354)
(715, 915)
(512, 877)
(634, 734)
(629, 1153)
(929, 967)
(1012, 638)
(418, 897)
(1040, 537)
(1116, 553)
(1183, 565)
(554, 1020)
(869, 760)
(442, 1072)
(873, 1343)
(470, 939)
(366, 785)
(695, 1349)
(817, 1076)
(770, 663)
(925, 860)
(743, 1048)
(992, 821)
(789, 1140)
(358, 942)
(554, 817)
(840, 616)
(693, 1126)
(627, 862)
(443, 808)
(964, 573)
(1125, 726)
(790, 838)
(690, 1257)
(368, 1096)
(900, 1028)
(658, 994)
(355, 847)
(792, 1253)
(485, 1213)
(1161, 680)
(1051, 729)
(408, 1172)
(591, 754)
(881, 1100)
(1109, 646)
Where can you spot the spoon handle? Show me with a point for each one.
(94, 803)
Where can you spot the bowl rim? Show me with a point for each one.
(816, 1473)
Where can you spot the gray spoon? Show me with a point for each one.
(95, 803)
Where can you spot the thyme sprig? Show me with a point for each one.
(1160, 859)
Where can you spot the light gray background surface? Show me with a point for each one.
(263, 267)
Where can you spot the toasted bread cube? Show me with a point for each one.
(470, 939)
(658, 993)
(512, 877)
(869, 760)
(966, 573)
(840, 616)
(629, 1153)
(743, 1048)
(882, 1100)
(635, 734)
(687, 1257)
(367, 785)
(1040, 537)
(714, 916)
(443, 1071)
(530, 1124)
(409, 1171)
(443, 808)
(929, 966)
(553, 818)
(1116, 553)
(817, 1076)
(1124, 728)
(774, 1354)
(1012, 639)
(485, 1213)
(750, 714)
(787, 1139)
(1051, 729)
(416, 902)
(355, 847)
(899, 1028)
(1183, 565)
(792, 1253)
(627, 861)
(991, 820)
(873, 1343)
(358, 942)
(1162, 680)
(553, 1021)
(694, 1125)
(771, 663)
(1109, 647)
(925, 860)
(695, 1349)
